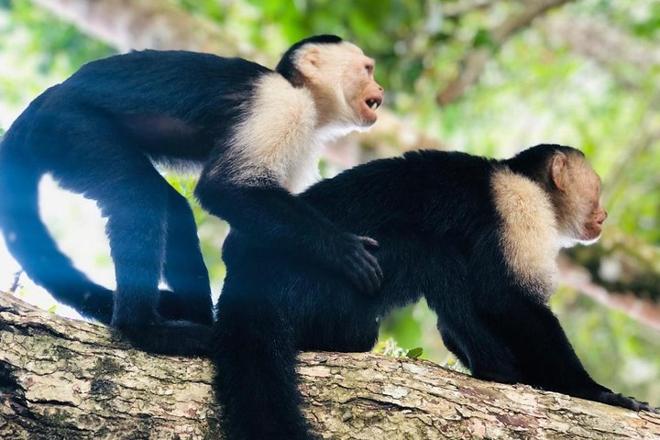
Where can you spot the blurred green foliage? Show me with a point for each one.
(535, 88)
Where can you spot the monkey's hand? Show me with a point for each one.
(351, 255)
(617, 399)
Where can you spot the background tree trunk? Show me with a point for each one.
(65, 379)
(147, 24)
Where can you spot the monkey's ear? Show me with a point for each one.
(558, 170)
(309, 60)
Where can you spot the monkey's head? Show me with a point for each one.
(576, 196)
(573, 187)
(339, 76)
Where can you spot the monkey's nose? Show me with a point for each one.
(602, 217)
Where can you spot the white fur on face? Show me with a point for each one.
(576, 210)
(568, 242)
(277, 138)
(530, 240)
(333, 81)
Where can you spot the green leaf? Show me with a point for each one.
(414, 353)
(483, 38)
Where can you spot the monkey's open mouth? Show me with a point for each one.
(373, 103)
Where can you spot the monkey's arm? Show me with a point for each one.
(547, 359)
(272, 216)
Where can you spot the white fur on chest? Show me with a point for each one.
(278, 138)
(529, 237)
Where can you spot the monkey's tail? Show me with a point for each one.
(28, 240)
(256, 386)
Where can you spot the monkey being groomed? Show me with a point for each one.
(254, 132)
(476, 237)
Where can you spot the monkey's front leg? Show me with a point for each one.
(546, 357)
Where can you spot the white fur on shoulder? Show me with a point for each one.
(277, 136)
(530, 239)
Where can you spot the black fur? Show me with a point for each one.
(434, 217)
(97, 133)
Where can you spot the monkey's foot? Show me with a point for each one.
(174, 338)
(186, 307)
(617, 399)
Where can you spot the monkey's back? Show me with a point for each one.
(187, 84)
(170, 104)
(428, 210)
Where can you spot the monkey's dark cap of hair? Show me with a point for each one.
(538, 152)
(533, 161)
(287, 69)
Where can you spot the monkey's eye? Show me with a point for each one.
(369, 68)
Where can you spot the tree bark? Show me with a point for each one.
(65, 379)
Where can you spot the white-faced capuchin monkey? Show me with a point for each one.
(255, 133)
(476, 237)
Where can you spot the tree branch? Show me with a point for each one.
(621, 263)
(147, 24)
(460, 8)
(602, 42)
(65, 379)
(642, 310)
(474, 61)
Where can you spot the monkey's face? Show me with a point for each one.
(580, 213)
(361, 91)
(341, 78)
(594, 214)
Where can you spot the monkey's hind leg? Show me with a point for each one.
(183, 268)
(137, 224)
(134, 198)
(135, 201)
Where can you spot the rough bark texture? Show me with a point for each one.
(64, 379)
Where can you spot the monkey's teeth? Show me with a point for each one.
(373, 104)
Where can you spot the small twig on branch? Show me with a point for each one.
(16, 282)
